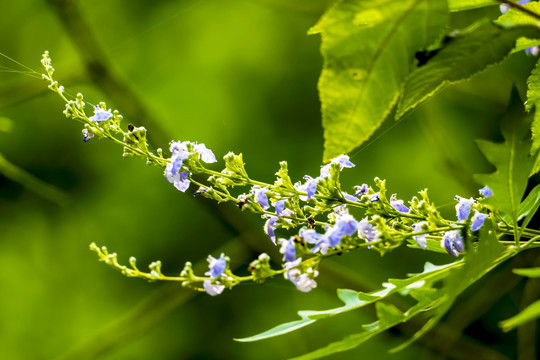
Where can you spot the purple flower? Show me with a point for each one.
(269, 228)
(100, 114)
(261, 198)
(360, 189)
(303, 281)
(375, 197)
(452, 242)
(216, 266)
(346, 224)
(532, 51)
(398, 205)
(485, 192)
(343, 161)
(181, 181)
(477, 220)
(504, 7)
(420, 239)
(279, 206)
(463, 208)
(311, 186)
(213, 289)
(350, 197)
(310, 235)
(87, 135)
(333, 236)
(367, 231)
(205, 154)
(288, 250)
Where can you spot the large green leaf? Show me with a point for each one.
(530, 272)
(368, 49)
(511, 160)
(462, 58)
(355, 300)
(460, 5)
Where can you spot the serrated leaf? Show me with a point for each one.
(478, 261)
(530, 313)
(487, 45)
(460, 5)
(511, 160)
(354, 300)
(389, 316)
(531, 272)
(368, 49)
(533, 101)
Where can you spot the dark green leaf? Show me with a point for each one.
(486, 46)
(368, 49)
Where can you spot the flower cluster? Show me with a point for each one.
(327, 220)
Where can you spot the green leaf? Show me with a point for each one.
(487, 45)
(368, 49)
(389, 316)
(533, 101)
(460, 5)
(530, 313)
(529, 206)
(6, 125)
(478, 261)
(355, 300)
(531, 272)
(512, 162)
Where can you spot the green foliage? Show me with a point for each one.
(530, 313)
(388, 317)
(488, 45)
(512, 162)
(460, 5)
(531, 272)
(368, 50)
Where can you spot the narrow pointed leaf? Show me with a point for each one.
(530, 313)
(531, 272)
(368, 49)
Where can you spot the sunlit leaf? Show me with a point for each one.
(487, 45)
(511, 160)
(460, 5)
(368, 49)
(530, 313)
(531, 272)
(354, 300)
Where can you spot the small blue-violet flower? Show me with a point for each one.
(310, 236)
(452, 242)
(360, 189)
(375, 197)
(262, 199)
(279, 206)
(463, 208)
(485, 192)
(398, 204)
(288, 249)
(213, 289)
(205, 154)
(87, 135)
(100, 114)
(216, 266)
(367, 231)
(477, 220)
(420, 239)
(269, 228)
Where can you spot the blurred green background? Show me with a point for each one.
(237, 75)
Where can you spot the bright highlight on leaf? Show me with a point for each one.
(368, 49)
